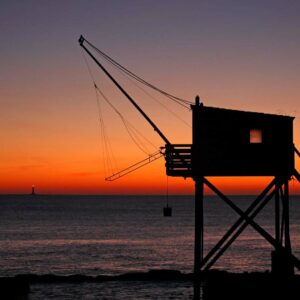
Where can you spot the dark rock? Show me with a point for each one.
(13, 288)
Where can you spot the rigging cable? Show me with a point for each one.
(109, 160)
(131, 75)
(180, 101)
(110, 164)
(134, 134)
(157, 101)
(131, 130)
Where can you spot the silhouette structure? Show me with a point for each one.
(238, 143)
(228, 143)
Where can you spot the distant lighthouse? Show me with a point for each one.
(33, 190)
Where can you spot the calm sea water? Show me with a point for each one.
(95, 235)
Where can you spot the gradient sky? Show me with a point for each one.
(234, 54)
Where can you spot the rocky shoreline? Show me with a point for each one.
(215, 284)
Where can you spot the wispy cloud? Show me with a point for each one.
(30, 167)
(23, 167)
(84, 174)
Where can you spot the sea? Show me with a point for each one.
(112, 235)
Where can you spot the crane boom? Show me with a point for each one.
(81, 41)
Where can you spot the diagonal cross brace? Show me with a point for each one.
(237, 223)
(239, 231)
(257, 227)
(249, 220)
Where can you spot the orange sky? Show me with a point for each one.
(240, 57)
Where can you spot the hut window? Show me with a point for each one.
(255, 136)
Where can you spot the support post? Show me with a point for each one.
(276, 255)
(277, 213)
(198, 254)
(289, 269)
(286, 200)
(282, 261)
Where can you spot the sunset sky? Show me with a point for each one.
(234, 54)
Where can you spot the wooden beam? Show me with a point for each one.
(198, 250)
(238, 222)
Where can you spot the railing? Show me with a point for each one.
(179, 160)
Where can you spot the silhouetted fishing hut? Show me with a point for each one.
(225, 143)
(238, 143)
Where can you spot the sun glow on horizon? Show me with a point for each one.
(242, 58)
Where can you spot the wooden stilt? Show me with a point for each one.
(287, 240)
(198, 254)
(282, 259)
(277, 213)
